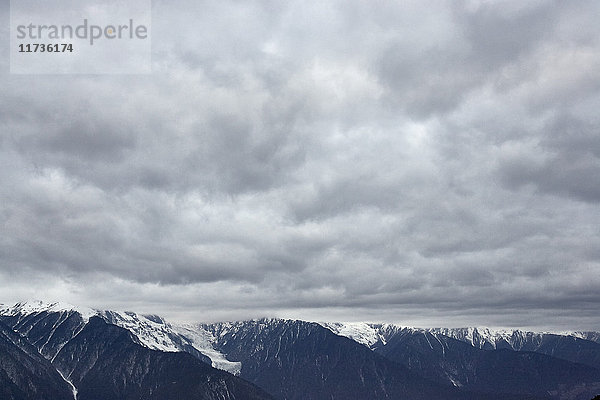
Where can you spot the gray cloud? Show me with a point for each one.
(570, 165)
(432, 165)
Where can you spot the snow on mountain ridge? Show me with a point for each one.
(364, 333)
(204, 341)
(360, 332)
(475, 336)
(156, 333)
(37, 306)
(151, 331)
(588, 335)
(153, 335)
(371, 335)
(486, 338)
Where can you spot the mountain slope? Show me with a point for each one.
(104, 362)
(47, 326)
(457, 362)
(567, 347)
(302, 360)
(591, 336)
(25, 374)
(153, 332)
(113, 355)
(50, 325)
(448, 360)
(116, 363)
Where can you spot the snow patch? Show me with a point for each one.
(358, 331)
(37, 306)
(156, 333)
(454, 382)
(73, 388)
(203, 341)
(152, 333)
(362, 332)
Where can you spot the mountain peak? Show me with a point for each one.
(365, 333)
(37, 306)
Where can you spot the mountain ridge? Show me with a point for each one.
(295, 359)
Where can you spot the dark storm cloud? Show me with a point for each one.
(340, 160)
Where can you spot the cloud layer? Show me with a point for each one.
(436, 165)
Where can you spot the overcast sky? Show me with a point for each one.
(428, 163)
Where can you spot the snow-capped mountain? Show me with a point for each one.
(156, 333)
(104, 362)
(591, 336)
(37, 306)
(375, 335)
(104, 355)
(515, 339)
(486, 338)
(371, 335)
(480, 359)
(205, 342)
(22, 366)
(297, 360)
(293, 359)
(150, 331)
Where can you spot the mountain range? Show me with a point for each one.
(58, 351)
